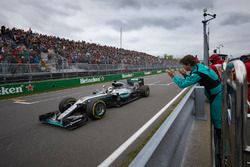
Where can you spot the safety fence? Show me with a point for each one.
(35, 72)
(10, 68)
(235, 118)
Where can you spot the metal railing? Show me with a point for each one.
(11, 68)
(30, 72)
(166, 146)
(235, 120)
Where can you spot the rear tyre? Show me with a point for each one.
(96, 109)
(66, 103)
(144, 91)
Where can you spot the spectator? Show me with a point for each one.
(246, 61)
(82, 52)
(60, 63)
(196, 59)
(216, 64)
(1, 58)
(206, 77)
(69, 59)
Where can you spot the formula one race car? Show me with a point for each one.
(75, 113)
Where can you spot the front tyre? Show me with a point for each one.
(66, 103)
(96, 109)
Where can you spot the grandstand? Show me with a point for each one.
(26, 55)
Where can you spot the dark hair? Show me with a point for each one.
(2, 29)
(245, 58)
(188, 60)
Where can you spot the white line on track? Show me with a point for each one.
(24, 102)
(39, 96)
(107, 162)
(21, 101)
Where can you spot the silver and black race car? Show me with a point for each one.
(74, 113)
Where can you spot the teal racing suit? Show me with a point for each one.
(213, 89)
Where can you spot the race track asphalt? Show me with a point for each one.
(25, 142)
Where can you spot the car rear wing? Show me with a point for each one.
(132, 81)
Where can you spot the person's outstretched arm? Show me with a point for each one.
(185, 82)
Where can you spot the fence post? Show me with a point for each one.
(200, 103)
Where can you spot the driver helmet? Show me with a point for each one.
(245, 58)
(110, 89)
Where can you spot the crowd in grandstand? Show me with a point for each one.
(26, 47)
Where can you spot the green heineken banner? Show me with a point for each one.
(27, 88)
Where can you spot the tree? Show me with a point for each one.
(168, 57)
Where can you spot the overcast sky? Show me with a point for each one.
(155, 27)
